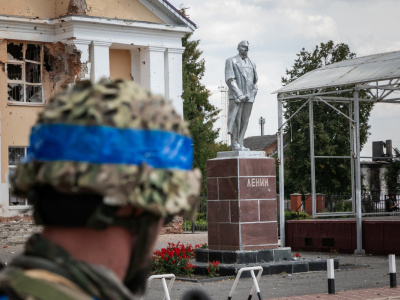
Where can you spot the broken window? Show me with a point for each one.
(15, 92)
(14, 51)
(14, 72)
(33, 52)
(24, 72)
(15, 155)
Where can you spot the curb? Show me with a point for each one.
(272, 268)
(220, 278)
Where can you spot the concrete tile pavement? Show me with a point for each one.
(365, 294)
(366, 272)
(197, 238)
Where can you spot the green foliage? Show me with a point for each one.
(292, 215)
(342, 206)
(200, 218)
(196, 107)
(187, 225)
(392, 174)
(213, 268)
(331, 130)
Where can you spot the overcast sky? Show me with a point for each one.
(278, 29)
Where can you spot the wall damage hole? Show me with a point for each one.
(33, 52)
(14, 51)
(32, 73)
(15, 92)
(33, 93)
(14, 72)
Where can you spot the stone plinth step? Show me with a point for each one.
(271, 268)
(243, 257)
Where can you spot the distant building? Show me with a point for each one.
(373, 172)
(266, 143)
(373, 178)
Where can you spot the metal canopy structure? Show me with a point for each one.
(378, 75)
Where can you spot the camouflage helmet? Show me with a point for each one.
(113, 139)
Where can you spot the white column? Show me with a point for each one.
(173, 78)
(152, 69)
(83, 47)
(135, 65)
(100, 60)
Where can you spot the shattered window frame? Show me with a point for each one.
(23, 87)
(13, 160)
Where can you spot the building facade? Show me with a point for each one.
(45, 45)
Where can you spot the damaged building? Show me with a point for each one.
(45, 45)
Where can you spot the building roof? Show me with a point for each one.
(376, 67)
(171, 11)
(373, 163)
(259, 143)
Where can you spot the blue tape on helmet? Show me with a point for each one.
(109, 145)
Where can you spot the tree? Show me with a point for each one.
(196, 107)
(392, 174)
(331, 130)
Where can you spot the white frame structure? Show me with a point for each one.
(379, 76)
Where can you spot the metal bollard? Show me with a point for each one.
(331, 275)
(392, 270)
(167, 290)
(255, 281)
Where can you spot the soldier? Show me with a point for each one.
(108, 164)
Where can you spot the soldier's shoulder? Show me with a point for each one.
(35, 284)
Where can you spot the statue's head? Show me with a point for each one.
(243, 48)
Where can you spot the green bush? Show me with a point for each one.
(187, 225)
(292, 215)
(342, 206)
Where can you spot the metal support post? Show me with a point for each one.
(352, 129)
(281, 174)
(312, 155)
(359, 249)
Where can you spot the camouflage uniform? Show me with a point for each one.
(91, 121)
(47, 272)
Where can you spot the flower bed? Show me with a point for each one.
(176, 259)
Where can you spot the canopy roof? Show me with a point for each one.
(376, 67)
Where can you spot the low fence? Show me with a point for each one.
(200, 221)
(370, 204)
(325, 203)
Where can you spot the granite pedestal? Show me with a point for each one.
(241, 201)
